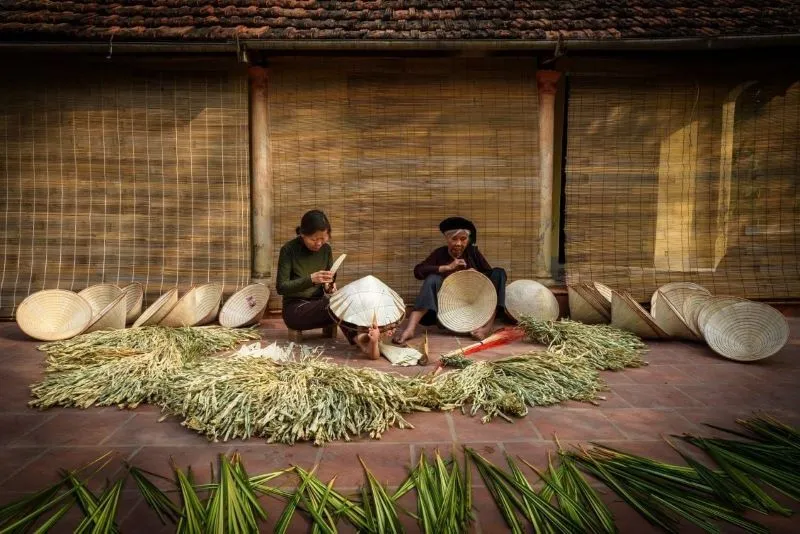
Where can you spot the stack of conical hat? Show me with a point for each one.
(197, 307)
(692, 306)
(667, 308)
(367, 299)
(158, 309)
(112, 317)
(134, 298)
(100, 295)
(628, 315)
(589, 304)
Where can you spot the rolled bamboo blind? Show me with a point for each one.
(671, 180)
(120, 175)
(389, 147)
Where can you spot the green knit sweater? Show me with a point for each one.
(296, 264)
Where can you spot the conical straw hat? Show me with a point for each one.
(209, 298)
(670, 320)
(582, 310)
(628, 315)
(676, 292)
(245, 307)
(134, 296)
(184, 312)
(692, 306)
(100, 295)
(53, 315)
(159, 309)
(531, 299)
(713, 306)
(359, 301)
(467, 301)
(747, 331)
(111, 318)
(591, 295)
(605, 292)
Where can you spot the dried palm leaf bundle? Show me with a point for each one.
(603, 346)
(125, 367)
(506, 387)
(306, 398)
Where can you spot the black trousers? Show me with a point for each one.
(308, 314)
(428, 294)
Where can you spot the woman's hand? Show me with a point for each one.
(322, 277)
(330, 288)
(454, 265)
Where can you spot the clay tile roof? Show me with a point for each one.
(214, 21)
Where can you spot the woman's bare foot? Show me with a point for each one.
(402, 337)
(370, 343)
(483, 332)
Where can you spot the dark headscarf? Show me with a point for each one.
(460, 223)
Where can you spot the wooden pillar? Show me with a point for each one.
(546, 82)
(260, 176)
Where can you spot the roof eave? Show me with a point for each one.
(666, 44)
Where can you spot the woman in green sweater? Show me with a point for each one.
(304, 277)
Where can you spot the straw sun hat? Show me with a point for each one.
(532, 299)
(713, 306)
(467, 300)
(746, 331)
(159, 309)
(112, 317)
(588, 304)
(134, 297)
(671, 320)
(360, 301)
(100, 295)
(197, 307)
(675, 292)
(53, 315)
(628, 315)
(244, 307)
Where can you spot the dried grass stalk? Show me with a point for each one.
(307, 398)
(604, 347)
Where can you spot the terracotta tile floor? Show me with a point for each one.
(684, 386)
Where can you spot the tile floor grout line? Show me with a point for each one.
(24, 466)
(132, 455)
(452, 425)
(50, 417)
(120, 427)
(704, 405)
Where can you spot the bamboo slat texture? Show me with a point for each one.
(390, 147)
(122, 175)
(671, 180)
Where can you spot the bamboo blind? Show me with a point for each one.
(390, 147)
(112, 175)
(684, 181)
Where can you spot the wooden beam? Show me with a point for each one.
(547, 83)
(260, 176)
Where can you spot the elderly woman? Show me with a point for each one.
(460, 253)
(305, 282)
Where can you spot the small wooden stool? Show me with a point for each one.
(327, 331)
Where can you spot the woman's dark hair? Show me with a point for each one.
(313, 221)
